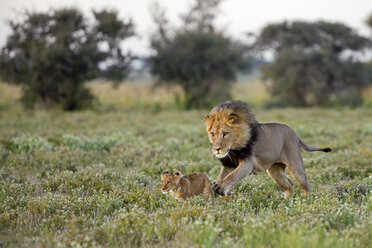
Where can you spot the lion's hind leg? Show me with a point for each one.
(277, 173)
(300, 176)
(297, 171)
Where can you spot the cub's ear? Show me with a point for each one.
(233, 118)
(206, 118)
(165, 172)
(177, 173)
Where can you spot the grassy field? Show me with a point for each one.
(92, 178)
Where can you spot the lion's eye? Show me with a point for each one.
(225, 133)
(212, 134)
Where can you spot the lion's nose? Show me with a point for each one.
(218, 149)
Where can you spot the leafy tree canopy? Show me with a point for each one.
(315, 63)
(196, 56)
(52, 54)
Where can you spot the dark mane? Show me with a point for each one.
(245, 127)
(238, 107)
(232, 160)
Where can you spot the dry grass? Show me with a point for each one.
(131, 94)
(367, 96)
(253, 92)
(9, 91)
(8, 94)
(143, 94)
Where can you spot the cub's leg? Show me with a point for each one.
(207, 191)
(277, 173)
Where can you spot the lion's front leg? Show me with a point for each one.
(223, 173)
(244, 169)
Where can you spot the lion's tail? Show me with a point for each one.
(312, 149)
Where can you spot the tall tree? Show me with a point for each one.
(202, 60)
(51, 55)
(369, 21)
(315, 63)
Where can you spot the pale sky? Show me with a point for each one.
(237, 16)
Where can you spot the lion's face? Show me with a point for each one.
(169, 181)
(222, 133)
(221, 138)
(228, 129)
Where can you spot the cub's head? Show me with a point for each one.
(169, 181)
(228, 127)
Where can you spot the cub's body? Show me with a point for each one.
(183, 187)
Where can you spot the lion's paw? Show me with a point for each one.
(218, 189)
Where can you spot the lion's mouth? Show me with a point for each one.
(221, 155)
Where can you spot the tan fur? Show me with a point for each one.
(221, 120)
(277, 147)
(183, 187)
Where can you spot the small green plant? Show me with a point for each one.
(92, 179)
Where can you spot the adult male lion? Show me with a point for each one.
(245, 146)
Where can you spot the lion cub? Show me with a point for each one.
(182, 187)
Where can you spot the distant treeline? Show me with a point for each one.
(51, 55)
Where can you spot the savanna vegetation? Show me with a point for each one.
(196, 56)
(92, 178)
(315, 64)
(52, 54)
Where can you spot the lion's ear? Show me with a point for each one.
(206, 118)
(165, 172)
(233, 118)
(177, 173)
